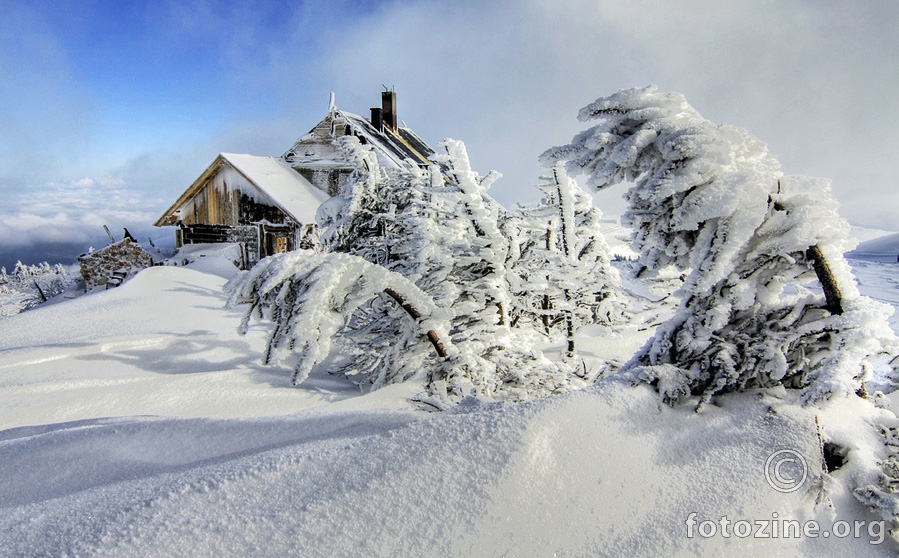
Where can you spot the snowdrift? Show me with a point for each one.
(604, 471)
(193, 466)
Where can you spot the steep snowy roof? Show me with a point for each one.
(271, 177)
(393, 147)
(402, 145)
(293, 194)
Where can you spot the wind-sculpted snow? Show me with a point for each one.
(604, 471)
(51, 461)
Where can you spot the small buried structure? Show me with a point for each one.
(112, 265)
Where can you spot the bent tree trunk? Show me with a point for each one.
(832, 294)
(416, 315)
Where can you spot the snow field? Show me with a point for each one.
(162, 344)
(207, 452)
(604, 471)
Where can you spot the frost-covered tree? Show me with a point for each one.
(561, 274)
(361, 219)
(368, 218)
(438, 230)
(464, 261)
(769, 299)
(36, 283)
(374, 350)
(710, 199)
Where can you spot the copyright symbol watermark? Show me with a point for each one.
(786, 470)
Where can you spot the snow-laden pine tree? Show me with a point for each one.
(435, 228)
(560, 271)
(361, 219)
(309, 297)
(710, 199)
(369, 218)
(464, 257)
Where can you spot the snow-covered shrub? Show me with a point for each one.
(710, 199)
(308, 297)
(434, 228)
(30, 285)
(560, 271)
(464, 259)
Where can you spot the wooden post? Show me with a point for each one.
(832, 294)
(569, 332)
(40, 291)
(546, 305)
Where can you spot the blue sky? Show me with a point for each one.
(109, 109)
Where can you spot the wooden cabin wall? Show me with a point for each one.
(247, 235)
(223, 200)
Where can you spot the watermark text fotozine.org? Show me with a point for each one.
(778, 528)
(785, 471)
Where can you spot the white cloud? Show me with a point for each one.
(72, 212)
(819, 82)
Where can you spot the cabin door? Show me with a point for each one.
(279, 245)
(276, 239)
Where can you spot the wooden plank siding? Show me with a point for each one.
(219, 202)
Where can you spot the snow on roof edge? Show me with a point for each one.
(287, 188)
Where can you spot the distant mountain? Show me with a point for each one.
(52, 252)
(864, 234)
(882, 249)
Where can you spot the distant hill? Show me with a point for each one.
(882, 249)
(864, 234)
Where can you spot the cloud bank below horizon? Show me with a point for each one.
(147, 96)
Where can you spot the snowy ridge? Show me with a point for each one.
(882, 249)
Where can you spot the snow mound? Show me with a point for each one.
(604, 471)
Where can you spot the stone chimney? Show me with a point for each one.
(388, 110)
(376, 119)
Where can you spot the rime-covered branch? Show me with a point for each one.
(309, 297)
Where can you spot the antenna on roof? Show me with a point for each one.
(332, 108)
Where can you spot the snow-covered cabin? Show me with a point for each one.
(268, 204)
(258, 202)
